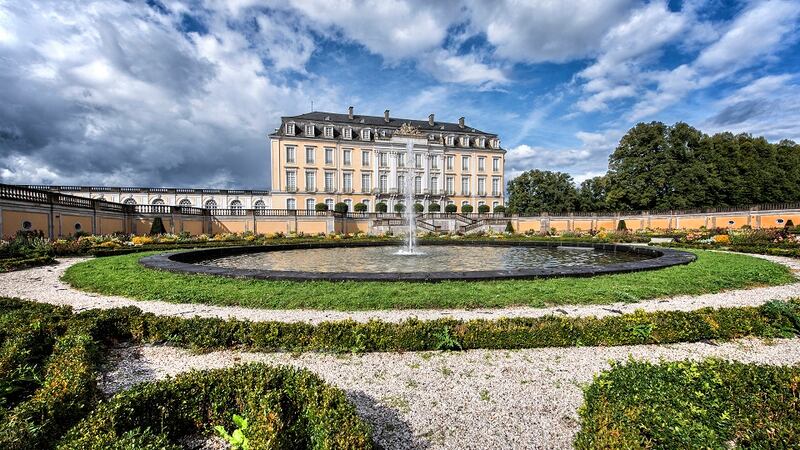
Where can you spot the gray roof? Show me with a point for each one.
(378, 121)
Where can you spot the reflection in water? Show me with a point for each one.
(434, 259)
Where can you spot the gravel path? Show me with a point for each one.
(43, 284)
(477, 399)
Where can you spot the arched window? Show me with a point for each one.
(310, 203)
(211, 204)
(291, 203)
(236, 204)
(329, 202)
(259, 204)
(158, 201)
(129, 201)
(349, 204)
(185, 202)
(366, 203)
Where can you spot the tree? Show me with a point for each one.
(360, 207)
(381, 207)
(418, 208)
(466, 209)
(399, 207)
(157, 227)
(499, 209)
(509, 227)
(483, 209)
(340, 207)
(592, 194)
(450, 208)
(538, 191)
(321, 207)
(434, 207)
(621, 226)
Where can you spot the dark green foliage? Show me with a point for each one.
(340, 207)
(321, 207)
(434, 207)
(399, 207)
(157, 227)
(538, 191)
(360, 207)
(483, 209)
(592, 194)
(509, 227)
(418, 207)
(450, 208)
(621, 226)
(381, 207)
(466, 209)
(710, 404)
(789, 224)
(499, 209)
(9, 264)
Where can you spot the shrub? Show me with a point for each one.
(621, 226)
(509, 227)
(399, 207)
(157, 227)
(722, 239)
(434, 207)
(360, 207)
(340, 207)
(381, 207)
(450, 208)
(466, 209)
(483, 209)
(709, 404)
(789, 224)
(321, 206)
(418, 208)
(499, 209)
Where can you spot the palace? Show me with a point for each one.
(322, 157)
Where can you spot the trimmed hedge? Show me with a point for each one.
(709, 404)
(286, 408)
(9, 264)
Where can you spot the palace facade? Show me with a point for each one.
(323, 157)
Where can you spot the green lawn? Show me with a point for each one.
(712, 272)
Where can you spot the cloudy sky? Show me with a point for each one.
(183, 93)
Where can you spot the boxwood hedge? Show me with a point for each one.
(709, 404)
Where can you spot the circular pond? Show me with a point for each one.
(437, 261)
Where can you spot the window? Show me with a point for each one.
(365, 134)
(291, 181)
(290, 129)
(384, 183)
(329, 203)
(311, 181)
(464, 203)
(78, 226)
(480, 142)
(129, 201)
(211, 204)
(349, 204)
(481, 164)
(464, 185)
(495, 186)
(346, 157)
(236, 204)
(27, 225)
(465, 163)
(417, 160)
(481, 186)
(495, 164)
(310, 130)
(328, 156)
(495, 205)
(347, 182)
(290, 154)
(329, 182)
(348, 133)
(401, 183)
(779, 221)
(158, 202)
(291, 203)
(185, 202)
(310, 155)
(384, 160)
(434, 162)
(465, 141)
(449, 162)
(310, 204)
(366, 182)
(366, 203)
(364, 158)
(260, 205)
(417, 185)
(434, 185)
(328, 132)
(449, 141)
(449, 186)
(401, 160)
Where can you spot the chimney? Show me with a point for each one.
(386, 116)
(460, 122)
(350, 113)
(430, 120)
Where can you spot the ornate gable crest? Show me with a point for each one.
(406, 129)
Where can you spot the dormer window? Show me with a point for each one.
(481, 142)
(365, 134)
(495, 143)
(449, 141)
(465, 141)
(328, 132)
(348, 133)
(310, 130)
(290, 128)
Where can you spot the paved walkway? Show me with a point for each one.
(43, 284)
(457, 400)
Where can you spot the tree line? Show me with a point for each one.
(661, 167)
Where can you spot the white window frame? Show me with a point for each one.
(290, 128)
(481, 164)
(365, 187)
(365, 158)
(365, 134)
(310, 130)
(329, 152)
(495, 164)
(327, 131)
(347, 157)
(465, 182)
(482, 186)
(311, 175)
(450, 162)
(291, 204)
(311, 203)
(330, 187)
(347, 179)
(313, 153)
(348, 132)
(291, 174)
(291, 156)
(450, 140)
(465, 163)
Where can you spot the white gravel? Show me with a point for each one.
(43, 284)
(468, 400)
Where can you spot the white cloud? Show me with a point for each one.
(466, 69)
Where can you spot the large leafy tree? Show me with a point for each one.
(537, 191)
(592, 194)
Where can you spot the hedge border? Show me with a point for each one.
(12, 264)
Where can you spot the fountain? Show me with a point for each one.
(407, 134)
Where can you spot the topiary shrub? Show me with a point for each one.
(340, 207)
(360, 207)
(450, 208)
(418, 208)
(399, 207)
(466, 209)
(509, 227)
(483, 209)
(381, 207)
(621, 225)
(157, 227)
(434, 207)
(499, 209)
(789, 224)
(321, 207)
